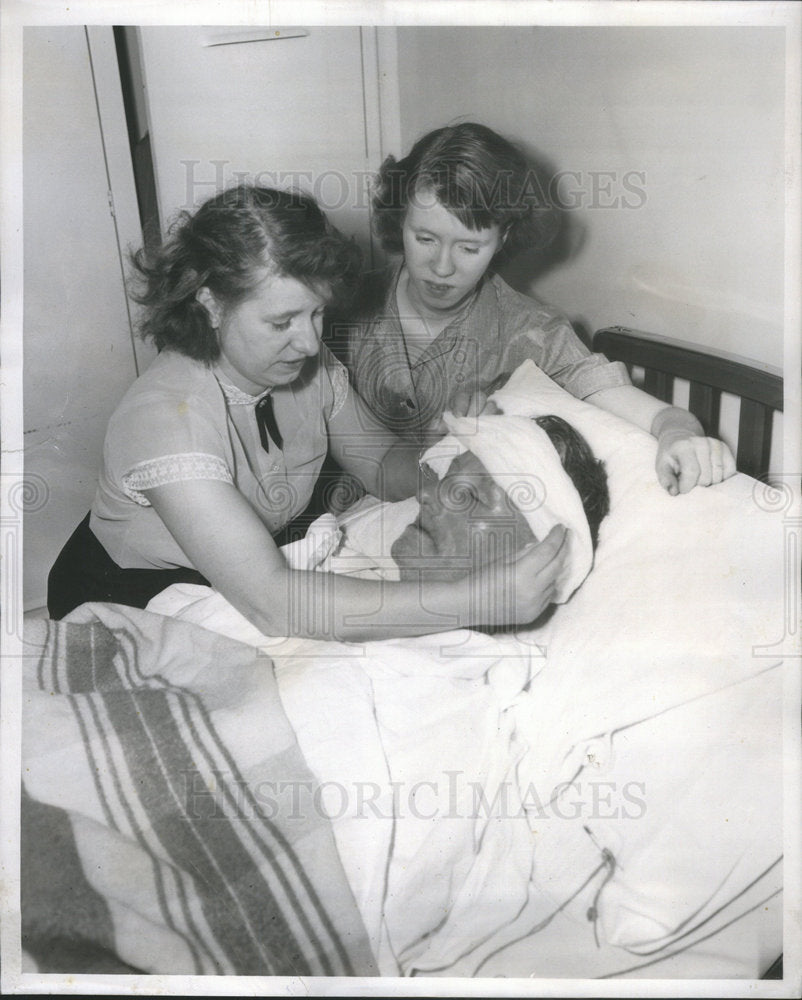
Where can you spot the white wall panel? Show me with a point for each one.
(78, 354)
(288, 111)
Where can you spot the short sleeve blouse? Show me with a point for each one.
(182, 421)
(498, 329)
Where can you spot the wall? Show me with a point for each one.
(691, 119)
(284, 111)
(78, 353)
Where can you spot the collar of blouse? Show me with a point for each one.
(235, 396)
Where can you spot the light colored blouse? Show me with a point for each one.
(181, 420)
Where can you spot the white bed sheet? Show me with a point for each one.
(653, 666)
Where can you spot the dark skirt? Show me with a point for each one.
(84, 571)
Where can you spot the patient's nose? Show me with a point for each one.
(427, 486)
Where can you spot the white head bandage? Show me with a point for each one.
(520, 457)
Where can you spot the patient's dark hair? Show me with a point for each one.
(586, 472)
(226, 246)
(479, 176)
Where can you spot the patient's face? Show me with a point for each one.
(466, 519)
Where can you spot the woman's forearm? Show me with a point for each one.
(398, 476)
(650, 414)
(383, 463)
(674, 419)
(686, 457)
(326, 606)
(226, 542)
(514, 590)
(630, 403)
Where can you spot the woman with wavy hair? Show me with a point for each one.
(219, 444)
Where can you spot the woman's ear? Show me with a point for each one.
(502, 240)
(207, 299)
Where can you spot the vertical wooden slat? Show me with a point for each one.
(659, 384)
(704, 403)
(759, 388)
(754, 438)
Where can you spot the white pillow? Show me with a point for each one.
(683, 587)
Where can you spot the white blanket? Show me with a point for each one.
(371, 719)
(656, 704)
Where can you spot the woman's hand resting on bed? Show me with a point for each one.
(685, 457)
(684, 462)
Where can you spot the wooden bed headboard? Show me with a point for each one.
(759, 388)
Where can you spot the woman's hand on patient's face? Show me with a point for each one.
(517, 589)
(685, 460)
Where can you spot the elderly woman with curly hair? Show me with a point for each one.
(439, 326)
(218, 445)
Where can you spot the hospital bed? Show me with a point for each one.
(202, 800)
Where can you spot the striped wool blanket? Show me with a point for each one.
(157, 767)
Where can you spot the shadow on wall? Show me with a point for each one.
(562, 232)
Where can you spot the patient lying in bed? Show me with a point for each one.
(587, 703)
(595, 795)
(468, 518)
(487, 490)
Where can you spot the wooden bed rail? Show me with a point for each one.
(759, 388)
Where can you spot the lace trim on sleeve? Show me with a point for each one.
(173, 469)
(338, 374)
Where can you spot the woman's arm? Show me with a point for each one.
(224, 540)
(685, 456)
(385, 465)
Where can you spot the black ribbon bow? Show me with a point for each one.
(266, 422)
